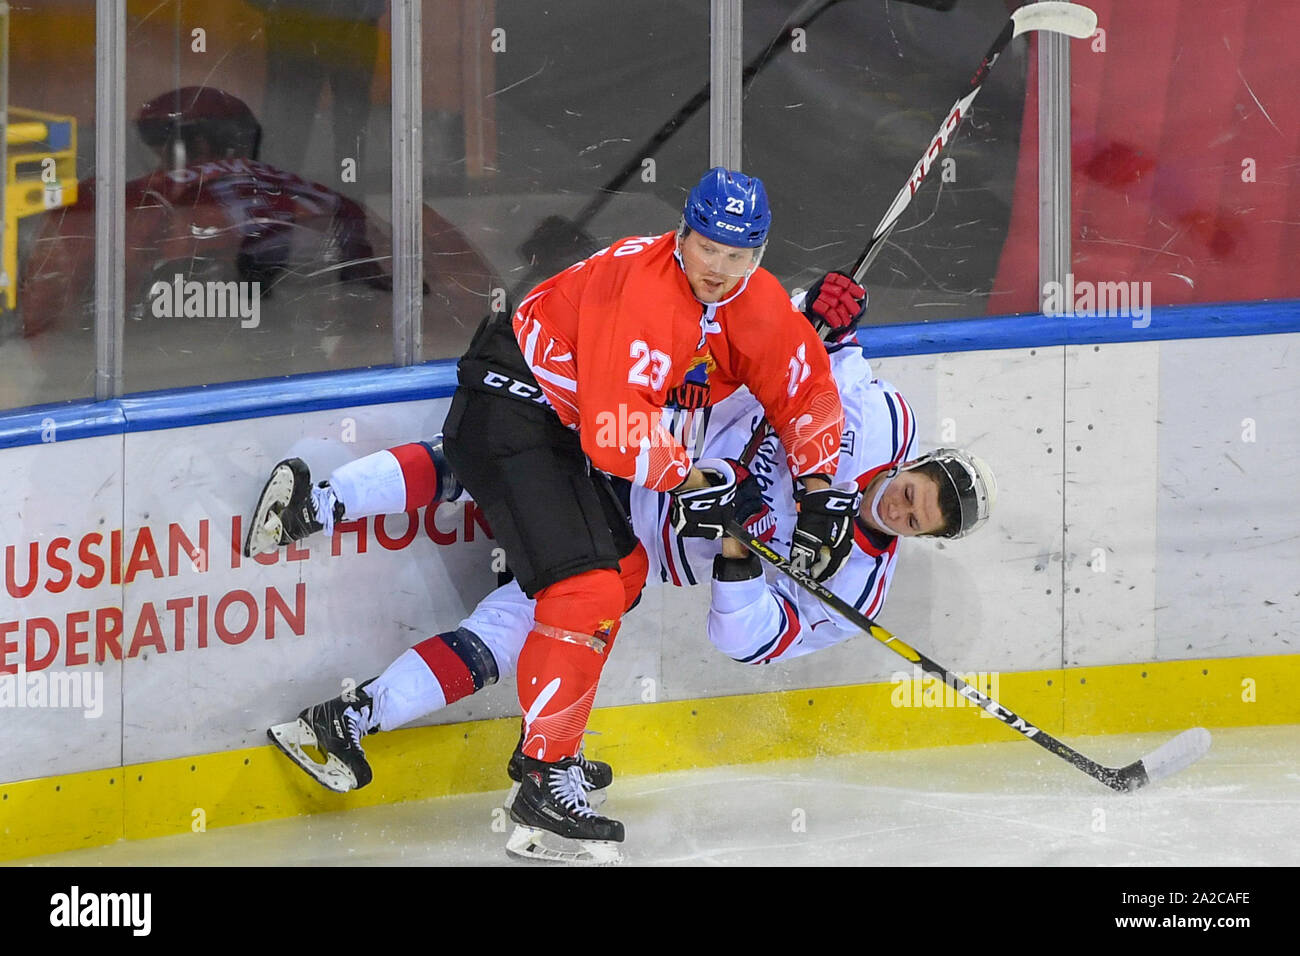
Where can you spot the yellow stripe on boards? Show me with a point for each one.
(80, 810)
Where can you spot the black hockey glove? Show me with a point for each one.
(823, 536)
(835, 305)
(704, 512)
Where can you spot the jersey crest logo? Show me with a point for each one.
(694, 390)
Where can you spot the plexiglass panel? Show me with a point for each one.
(549, 133)
(257, 197)
(1186, 138)
(48, 73)
(835, 122)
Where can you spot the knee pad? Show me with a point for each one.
(587, 603)
(460, 660)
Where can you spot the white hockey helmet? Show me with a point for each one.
(972, 479)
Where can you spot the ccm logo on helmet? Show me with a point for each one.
(728, 226)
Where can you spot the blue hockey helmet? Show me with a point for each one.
(730, 208)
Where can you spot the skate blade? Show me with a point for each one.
(530, 843)
(595, 798)
(292, 737)
(265, 530)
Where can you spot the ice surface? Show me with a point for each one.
(1008, 803)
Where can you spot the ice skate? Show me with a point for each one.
(555, 822)
(334, 729)
(289, 508)
(596, 773)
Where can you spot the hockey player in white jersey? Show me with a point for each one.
(758, 618)
(754, 618)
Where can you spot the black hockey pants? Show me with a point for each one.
(553, 513)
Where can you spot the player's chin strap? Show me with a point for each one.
(885, 482)
(677, 254)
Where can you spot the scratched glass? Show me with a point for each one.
(257, 196)
(836, 120)
(1191, 185)
(49, 144)
(552, 130)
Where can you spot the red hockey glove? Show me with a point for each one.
(835, 305)
(751, 509)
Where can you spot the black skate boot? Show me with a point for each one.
(551, 804)
(289, 508)
(596, 773)
(335, 728)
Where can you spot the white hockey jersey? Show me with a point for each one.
(771, 618)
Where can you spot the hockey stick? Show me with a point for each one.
(1169, 758)
(1076, 21)
(1070, 19)
(1052, 16)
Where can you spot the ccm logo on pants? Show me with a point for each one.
(514, 387)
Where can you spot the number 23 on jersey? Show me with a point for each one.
(650, 367)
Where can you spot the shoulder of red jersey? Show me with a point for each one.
(767, 290)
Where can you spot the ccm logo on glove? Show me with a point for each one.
(704, 512)
(823, 535)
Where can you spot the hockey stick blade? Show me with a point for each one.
(1072, 19)
(1174, 755)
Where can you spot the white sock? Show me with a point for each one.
(372, 485)
(403, 692)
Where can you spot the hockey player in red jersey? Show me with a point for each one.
(573, 390)
(753, 618)
(597, 350)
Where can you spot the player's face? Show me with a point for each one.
(712, 269)
(910, 505)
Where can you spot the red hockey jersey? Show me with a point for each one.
(614, 338)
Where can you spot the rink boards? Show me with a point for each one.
(1139, 573)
